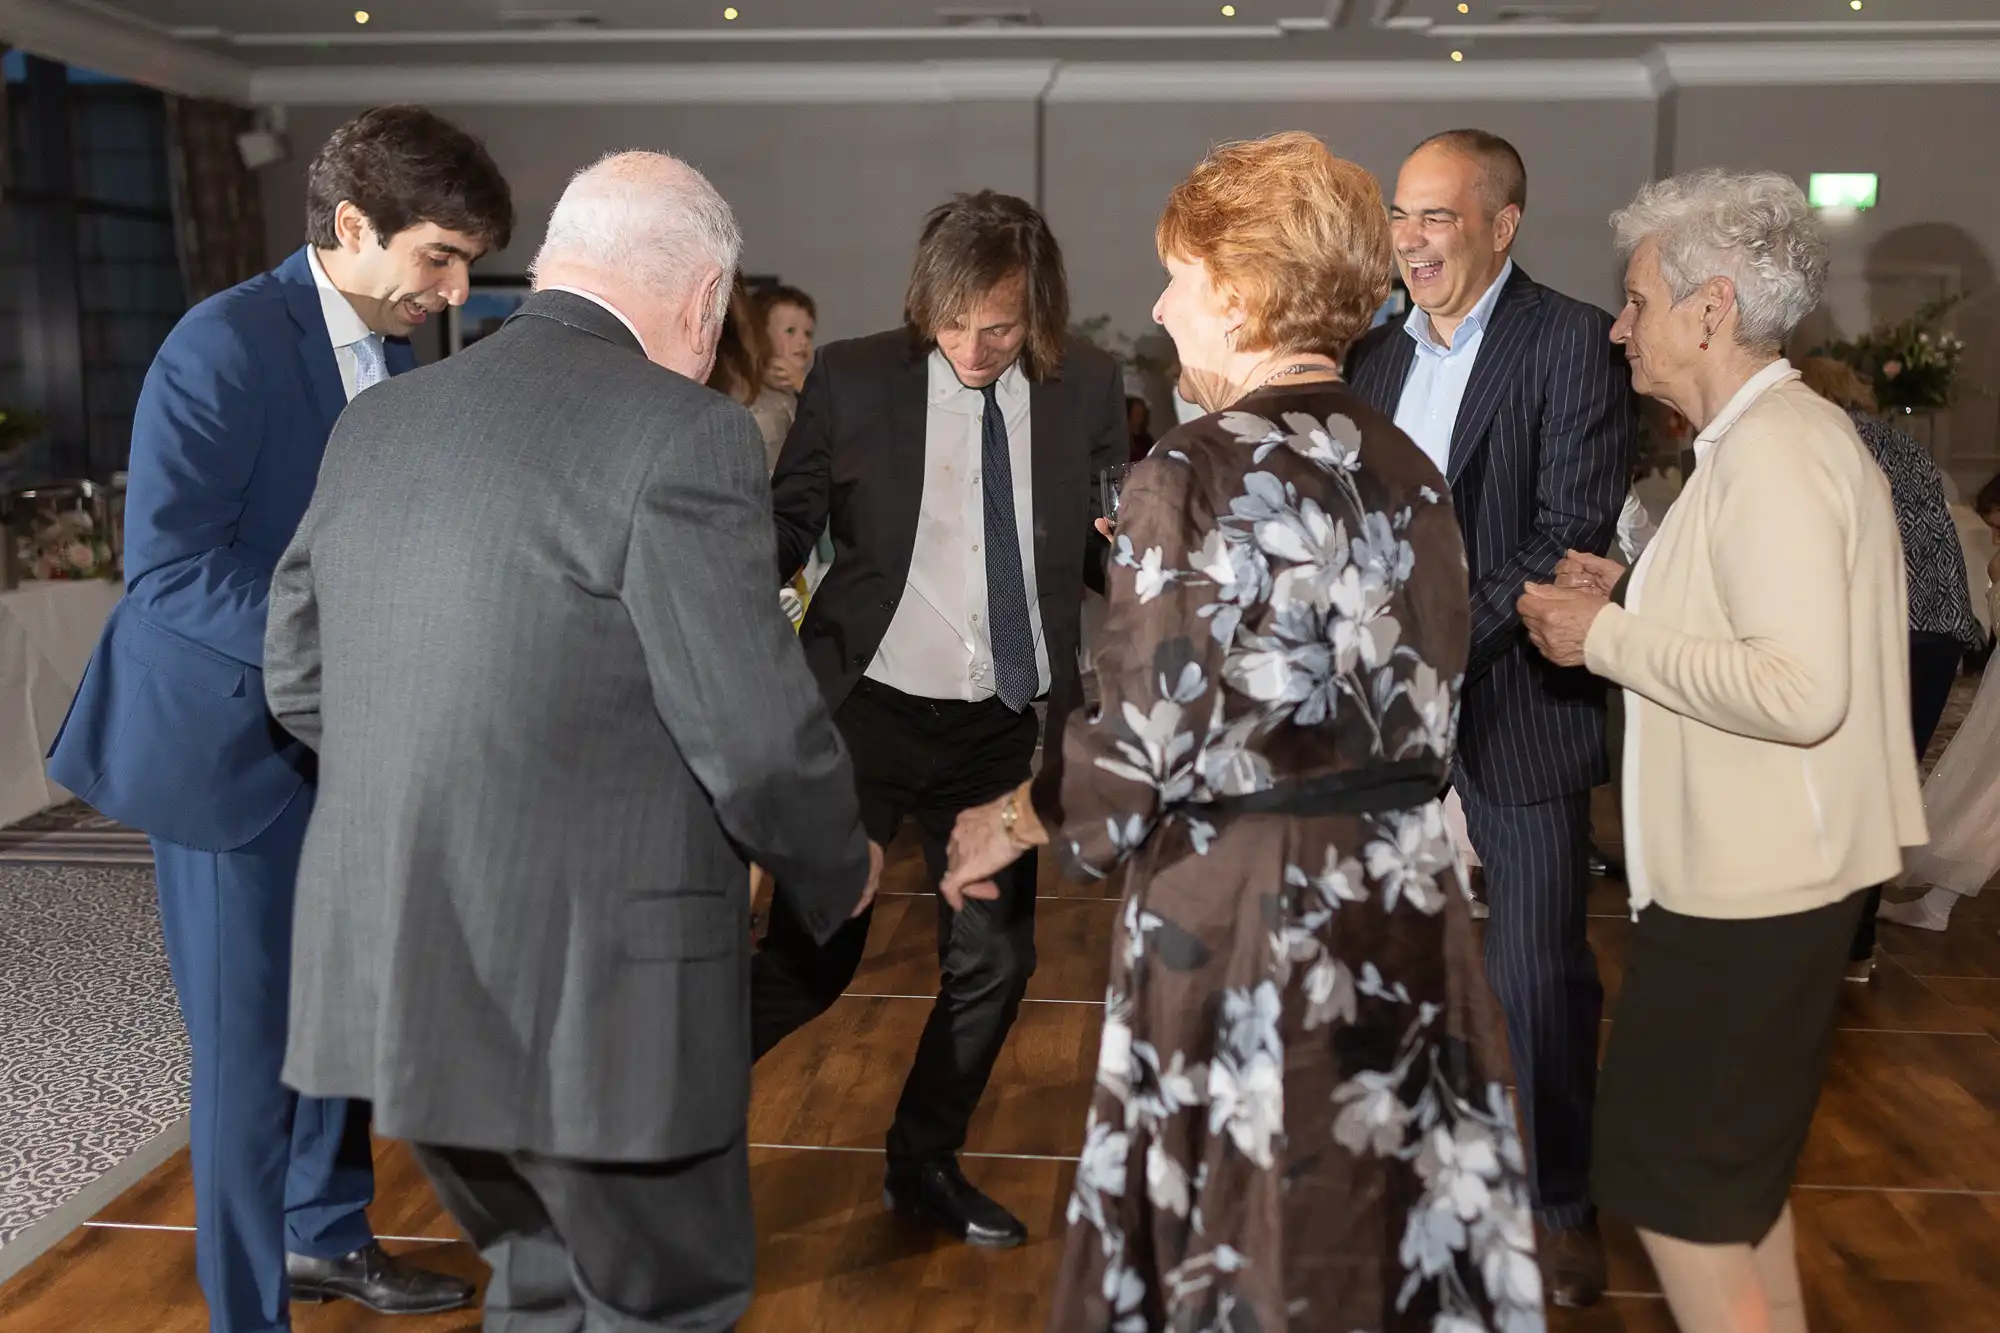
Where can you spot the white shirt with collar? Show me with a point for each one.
(1428, 410)
(939, 645)
(630, 327)
(344, 326)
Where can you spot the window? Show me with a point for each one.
(88, 263)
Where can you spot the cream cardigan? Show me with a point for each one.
(1763, 651)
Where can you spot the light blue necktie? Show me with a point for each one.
(371, 366)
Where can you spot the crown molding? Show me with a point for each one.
(1792, 64)
(127, 51)
(1352, 81)
(733, 36)
(934, 81)
(774, 84)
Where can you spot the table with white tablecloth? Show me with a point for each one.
(47, 631)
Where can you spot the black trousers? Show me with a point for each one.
(579, 1247)
(1934, 660)
(928, 759)
(1536, 860)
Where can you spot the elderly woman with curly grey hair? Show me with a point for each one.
(1769, 774)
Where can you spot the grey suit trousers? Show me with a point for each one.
(579, 1247)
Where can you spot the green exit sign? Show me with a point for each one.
(1841, 189)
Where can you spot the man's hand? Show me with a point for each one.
(1559, 620)
(980, 849)
(1582, 571)
(874, 880)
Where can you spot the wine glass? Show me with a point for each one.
(1111, 484)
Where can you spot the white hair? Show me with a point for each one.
(1752, 227)
(648, 218)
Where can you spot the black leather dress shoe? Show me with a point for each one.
(374, 1278)
(1573, 1266)
(938, 1193)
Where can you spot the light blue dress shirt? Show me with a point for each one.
(1428, 409)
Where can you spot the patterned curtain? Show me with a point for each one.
(218, 211)
(6, 134)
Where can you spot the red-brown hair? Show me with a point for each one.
(1299, 236)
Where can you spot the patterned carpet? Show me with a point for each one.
(94, 1063)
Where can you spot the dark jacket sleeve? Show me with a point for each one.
(802, 483)
(1587, 437)
(729, 680)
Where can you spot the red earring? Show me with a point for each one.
(1704, 344)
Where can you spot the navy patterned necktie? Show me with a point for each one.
(1014, 669)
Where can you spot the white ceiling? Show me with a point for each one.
(280, 31)
(300, 52)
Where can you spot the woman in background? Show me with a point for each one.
(742, 360)
(1300, 1118)
(1942, 627)
(1962, 795)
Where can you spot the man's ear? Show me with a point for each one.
(697, 326)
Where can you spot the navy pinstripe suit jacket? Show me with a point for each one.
(1541, 457)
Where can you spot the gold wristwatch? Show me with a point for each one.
(1010, 815)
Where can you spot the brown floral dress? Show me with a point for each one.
(1300, 1120)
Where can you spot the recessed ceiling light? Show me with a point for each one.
(1229, 11)
(731, 13)
(1465, 9)
(1854, 4)
(361, 16)
(1458, 55)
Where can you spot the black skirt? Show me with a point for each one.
(1718, 1046)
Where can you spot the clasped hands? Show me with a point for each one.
(1559, 615)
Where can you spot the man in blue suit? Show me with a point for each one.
(1508, 386)
(169, 731)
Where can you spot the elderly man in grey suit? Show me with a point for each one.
(528, 626)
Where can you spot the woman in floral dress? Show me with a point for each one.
(1300, 1120)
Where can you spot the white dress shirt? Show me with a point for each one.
(939, 645)
(1428, 410)
(630, 327)
(343, 325)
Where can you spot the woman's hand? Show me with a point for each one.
(1584, 572)
(981, 847)
(1559, 620)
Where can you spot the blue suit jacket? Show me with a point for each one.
(1541, 457)
(168, 732)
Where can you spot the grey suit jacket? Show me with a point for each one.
(530, 626)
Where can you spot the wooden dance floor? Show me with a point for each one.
(1898, 1197)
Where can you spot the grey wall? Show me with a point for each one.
(1110, 167)
(1935, 228)
(829, 197)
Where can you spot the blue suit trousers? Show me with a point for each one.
(273, 1171)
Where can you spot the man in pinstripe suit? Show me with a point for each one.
(1517, 394)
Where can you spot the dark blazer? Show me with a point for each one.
(1541, 459)
(168, 731)
(529, 626)
(855, 458)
